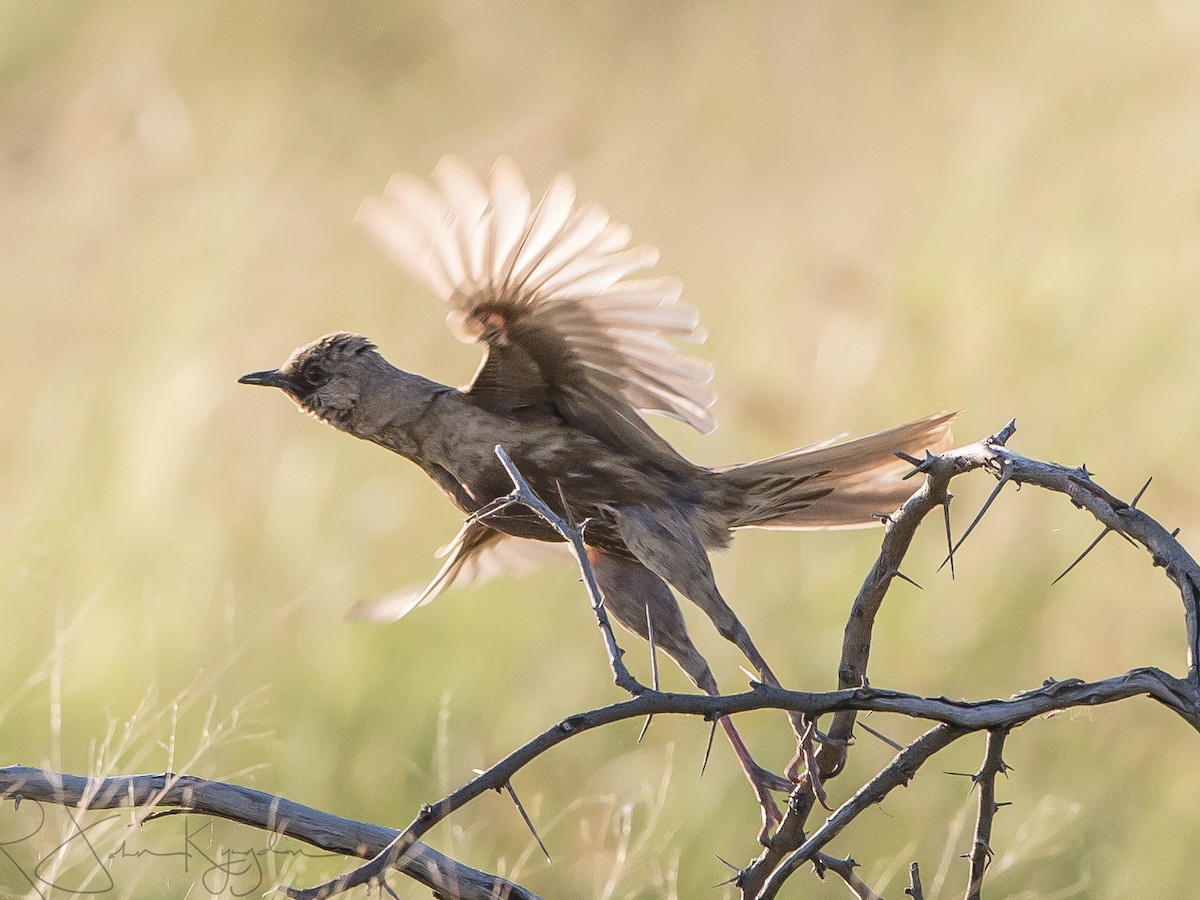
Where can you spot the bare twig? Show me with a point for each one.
(525, 495)
(277, 815)
(958, 717)
(1127, 520)
(899, 528)
(844, 869)
(981, 846)
(899, 771)
(825, 755)
(914, 888)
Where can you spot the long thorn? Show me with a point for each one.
(949, 538)
(708, 750)
(919, 465)
(1090, 547)
(528, 823)
(653, 648)
(992, 496)
(645, 727)
(160, 814)
(732, 879)
(1138, 495)
(904, 577)
(566, 507)
(653, 667)
(883, 737)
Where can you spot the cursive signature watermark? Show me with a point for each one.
(86, 859)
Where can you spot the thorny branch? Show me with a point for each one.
(844, 869)
(985, 778)
(273, 814)
(522, 493)
(914, 889)
(792, 846)
(992, 454)
(896, 773)
(493, 779)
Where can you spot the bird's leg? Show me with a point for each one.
(666, 544)
(635, 597)
(733, 630)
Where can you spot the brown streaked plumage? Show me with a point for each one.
(577, 352)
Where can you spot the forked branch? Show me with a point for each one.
(792, 846)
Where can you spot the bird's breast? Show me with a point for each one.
(577, 475)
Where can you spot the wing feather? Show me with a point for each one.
(476, 554)
(547, 287)
(510, 211)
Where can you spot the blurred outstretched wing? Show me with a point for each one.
(476, 554)
(545, 287)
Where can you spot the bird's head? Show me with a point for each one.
(327, 378)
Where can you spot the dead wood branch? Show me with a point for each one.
(276, 815)
(985, 778)
(353, 838)
(523, 494)
(792, 846)
(992, 454)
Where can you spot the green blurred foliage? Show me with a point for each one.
(881, 209)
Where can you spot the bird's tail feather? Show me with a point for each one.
(832, 485)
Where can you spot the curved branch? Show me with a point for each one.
(899, 771)
(985, 778)
(1115, 514)
(523, 494)
(990, 453)
(419, 861)
(791, 847)
(447, 877)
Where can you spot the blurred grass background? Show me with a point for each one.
(882, 210)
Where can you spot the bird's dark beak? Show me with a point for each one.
(270, 378)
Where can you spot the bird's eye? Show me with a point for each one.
(315, 376)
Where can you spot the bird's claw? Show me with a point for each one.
(768, 780)
(772, 818)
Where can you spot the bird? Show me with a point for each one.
(578, 354)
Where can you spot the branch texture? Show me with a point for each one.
(794, 844)
(258, 809)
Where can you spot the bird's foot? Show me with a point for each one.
(772, 818)
(768, 780)
(764, 782)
